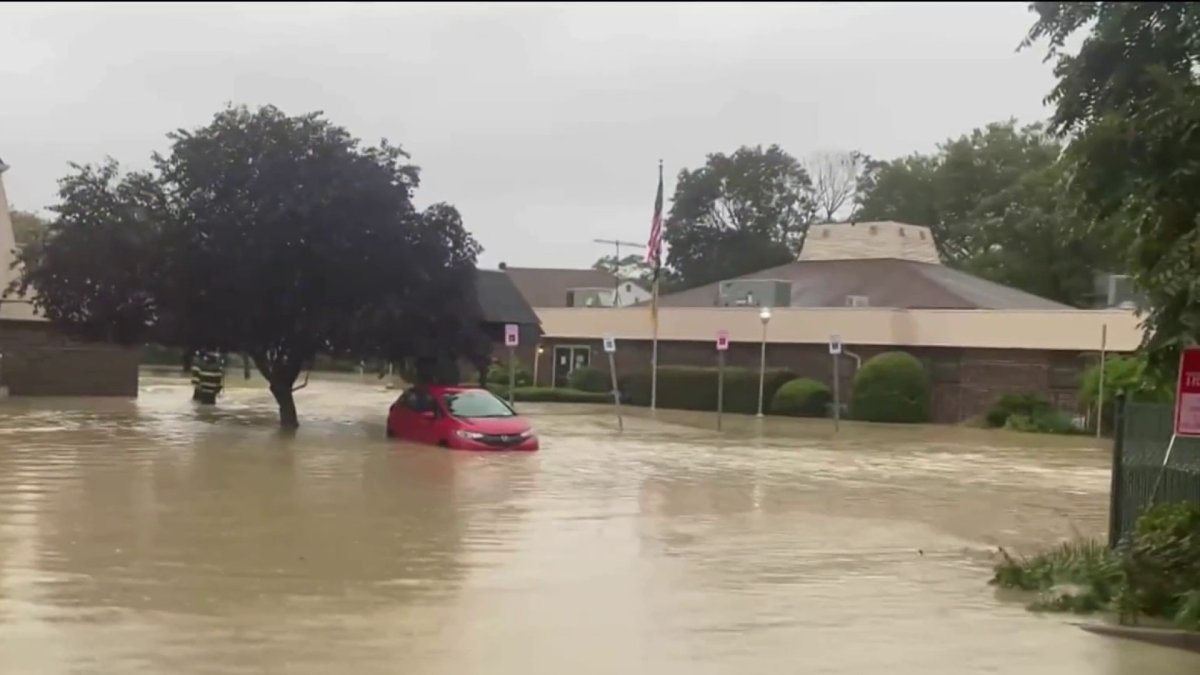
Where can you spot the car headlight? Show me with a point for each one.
(469, 435)
(528, 433)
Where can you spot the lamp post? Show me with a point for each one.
(764, 315)
(537, 359)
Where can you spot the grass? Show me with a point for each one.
(1080, 576)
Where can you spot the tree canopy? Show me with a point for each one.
(27, 226)
(736, 214)
(1128, 101)
(994, 200)
(273, 236)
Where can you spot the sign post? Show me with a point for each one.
(610, 348)
(1187, 407)
(512, 338)
(722, 347)
(835, 351)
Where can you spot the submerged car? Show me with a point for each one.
(462, 418)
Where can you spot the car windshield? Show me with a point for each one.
(476, 403)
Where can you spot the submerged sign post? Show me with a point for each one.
(610, 348)
(512, 338)
(722, 347)
(835, 351)
(1187, 408)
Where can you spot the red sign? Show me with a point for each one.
(1187, 394)
(722, 340)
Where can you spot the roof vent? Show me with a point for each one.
(858, 301)
(503, 265)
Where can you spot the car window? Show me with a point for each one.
(476, 403)
(418, 400)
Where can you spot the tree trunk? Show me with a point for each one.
(288, 419)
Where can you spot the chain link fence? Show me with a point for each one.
(1140, 446)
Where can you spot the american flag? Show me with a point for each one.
(654, 245)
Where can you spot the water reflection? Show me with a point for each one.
(152, 536)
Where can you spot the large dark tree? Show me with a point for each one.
(273, 236)
(1129, 102)
(737, 214)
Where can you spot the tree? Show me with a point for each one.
(737, 214)
(27, 226)
(1129, 103)
(835, 181)
(994, 200)
(273, 236)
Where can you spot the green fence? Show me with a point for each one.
(1141, 443)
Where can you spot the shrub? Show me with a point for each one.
(498, 374)
(1042, 422)
(891, 387)
(1123, 375)
(801, 397)
(695, 388)
(1027, 405)
(550, 395)
(590, 379)
(1155, 574)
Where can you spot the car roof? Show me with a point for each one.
(451, 389)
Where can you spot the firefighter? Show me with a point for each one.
(208, 377)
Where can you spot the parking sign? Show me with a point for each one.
(722, 340)
(835, 344)
(512, 335)
(610, 344)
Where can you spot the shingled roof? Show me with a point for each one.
(886, 282)
(500, 301)
(548, 286)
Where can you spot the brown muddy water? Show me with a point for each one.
(153, 537)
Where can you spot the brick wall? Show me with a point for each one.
(965, 381)
(37, 361)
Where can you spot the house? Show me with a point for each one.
(875, 287)
(568, 287)
(37, 360)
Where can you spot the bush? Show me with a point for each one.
(550, 395)
(590, 379)
(498, 374)
(1155, 574)
(801, 397)
(695, 388)
(891, 387)
(1123, 375)
(1026, 405)
(1042, 422)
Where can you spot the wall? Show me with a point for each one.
(39, 362)
(965, 381)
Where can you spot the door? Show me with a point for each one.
(567, 358)
(418, 416)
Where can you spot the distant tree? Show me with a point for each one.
(631, 267)
(27, 226)
(274, 236)
(834, 182)
(994, 199)
(1128, 101)
(737, 214)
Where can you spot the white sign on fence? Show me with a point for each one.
(512, 335)
(610, 344)
(835, 344)
(722, 340)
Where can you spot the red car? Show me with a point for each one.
(462, 418)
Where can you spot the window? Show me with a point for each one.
(475, 403)
(418, 400)
(858, 301)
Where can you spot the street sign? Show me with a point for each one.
(835, 344)
(610, 344)
(512, 335)
(1187, 394)
(722, 340)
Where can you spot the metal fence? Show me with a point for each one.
(1139, 448)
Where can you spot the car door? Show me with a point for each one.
(424, 417)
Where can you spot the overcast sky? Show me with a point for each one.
(542, 123)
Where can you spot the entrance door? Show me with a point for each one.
(567, 358)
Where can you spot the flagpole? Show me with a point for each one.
(654, 311)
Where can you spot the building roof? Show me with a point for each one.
(886, 282)
(548, 286)
(500, 301)
(874, 239)
(1060, 330)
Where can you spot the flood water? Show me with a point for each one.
(154, 537)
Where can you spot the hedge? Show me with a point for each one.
(497, 373)
(550, 395)
(695, 388)
(590, 379)
(1023, 405)
(891, 387)
(802, 397)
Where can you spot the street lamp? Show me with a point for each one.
(537, 359)
(764, 315)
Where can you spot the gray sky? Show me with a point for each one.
(543, 124)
